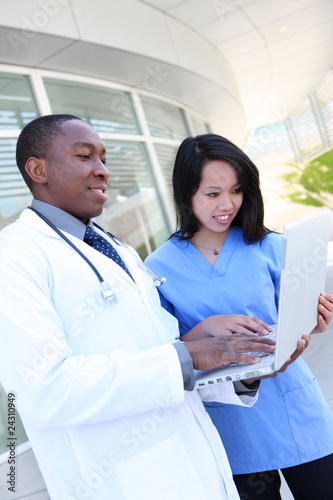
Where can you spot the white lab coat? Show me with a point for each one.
(99, 386)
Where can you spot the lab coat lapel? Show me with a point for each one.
(129, 259)
(141, 279)
(37, 223)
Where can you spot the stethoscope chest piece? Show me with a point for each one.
(108, 294)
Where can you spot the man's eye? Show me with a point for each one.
(86, 157)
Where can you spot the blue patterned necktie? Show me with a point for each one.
(99, 243)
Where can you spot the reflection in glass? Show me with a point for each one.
(164, 119)
(17, 106)
(14, 194)
(166, 157)
(199, 126)
(132, 212)
(107, 110)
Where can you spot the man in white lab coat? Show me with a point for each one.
(99, 382)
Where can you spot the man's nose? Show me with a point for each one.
(101, 170)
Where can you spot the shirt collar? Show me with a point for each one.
(63, 220)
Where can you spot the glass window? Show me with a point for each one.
(14, 193)
(269, 141)
(17, 105)
(324, 100)
(107, 110)
(307, 134)
(166, 157)
(199, 126)
(132, 212)
(164, 119)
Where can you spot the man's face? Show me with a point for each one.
(76, 174)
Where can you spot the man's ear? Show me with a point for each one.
(35, 168)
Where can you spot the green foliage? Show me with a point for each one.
(310, 184)
(305, 199)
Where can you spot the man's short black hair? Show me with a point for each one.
(36, 140)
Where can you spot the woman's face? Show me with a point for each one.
(218, 199)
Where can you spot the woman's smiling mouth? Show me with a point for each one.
(222, 218)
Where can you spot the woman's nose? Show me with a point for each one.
(224, 203)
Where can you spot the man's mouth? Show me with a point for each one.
(96, 190)
(101, 191)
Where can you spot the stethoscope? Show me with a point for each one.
(107, 292)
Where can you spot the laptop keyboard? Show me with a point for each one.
(271, 335)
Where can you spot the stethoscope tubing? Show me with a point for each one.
(107, 293)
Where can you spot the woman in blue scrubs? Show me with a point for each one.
(224, 261)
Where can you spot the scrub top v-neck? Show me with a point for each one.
(223, 259)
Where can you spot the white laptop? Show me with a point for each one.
(303, 273)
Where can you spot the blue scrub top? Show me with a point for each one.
(290, 423)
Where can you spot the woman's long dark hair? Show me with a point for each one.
(193, 154)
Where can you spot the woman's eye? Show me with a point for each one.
(238, 190)
(213, 195)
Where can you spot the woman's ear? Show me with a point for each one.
(35, 168)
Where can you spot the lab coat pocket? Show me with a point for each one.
(161, 472)
(310, 419)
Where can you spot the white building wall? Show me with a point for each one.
(125, 41)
